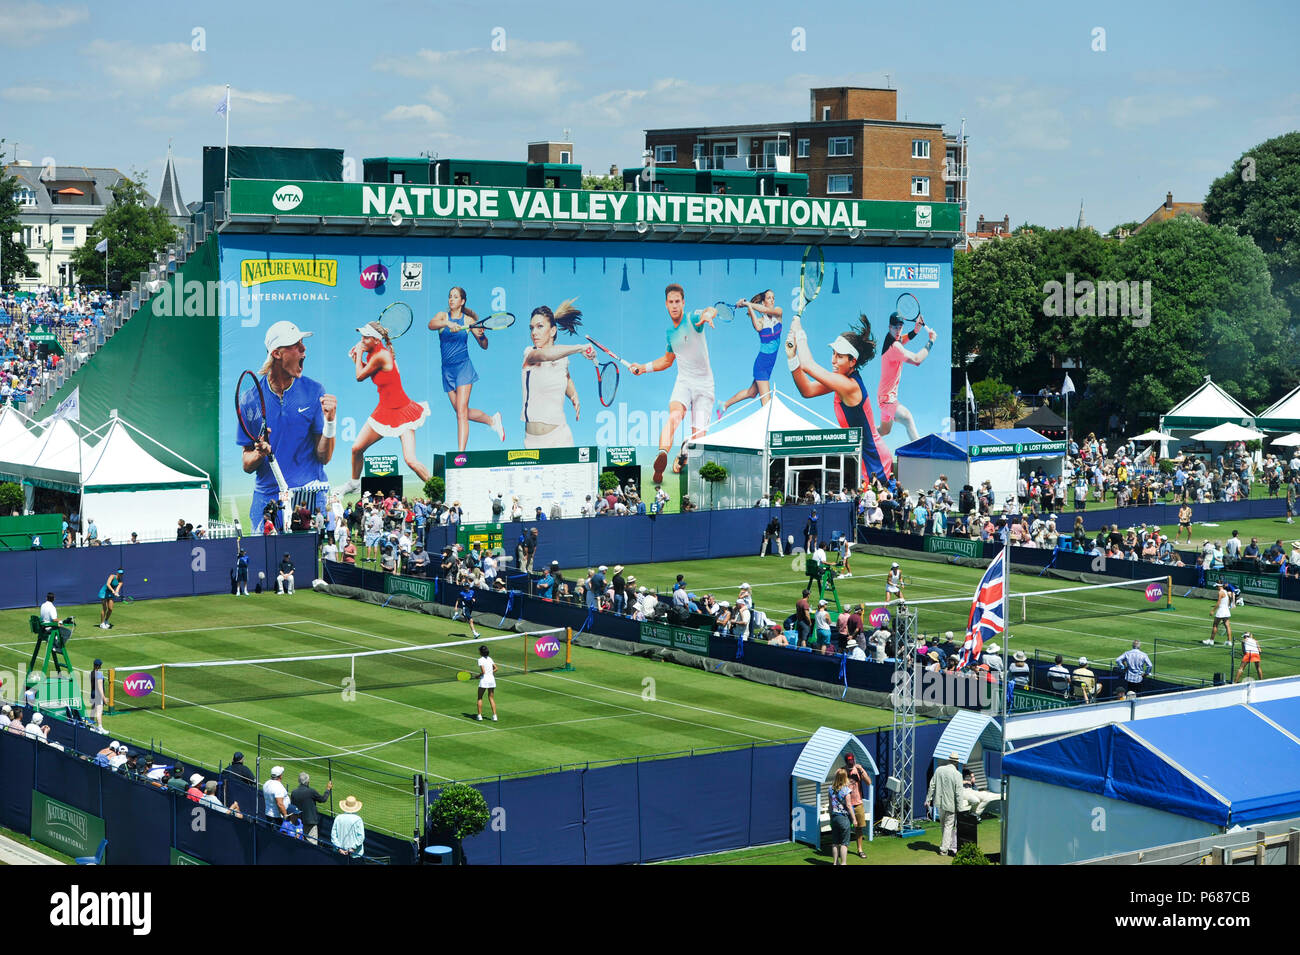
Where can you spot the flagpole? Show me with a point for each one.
(105, 265)
(226, 176)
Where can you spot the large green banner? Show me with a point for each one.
(411, 586)
(273, 197)
(1262, 585)
(60, 826)
(957, 546)
(677, 638)
(181, 858)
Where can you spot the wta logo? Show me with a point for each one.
(879, 617)
(460, 460)
(546, 647)
(373, 276)
(138, 684)
(1155, 592)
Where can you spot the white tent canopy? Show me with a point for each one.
(16, 440)
(1282, 415)
(59, 458)
(1152, 436)
(1287, 440)
(751, 430)
(1229, 431)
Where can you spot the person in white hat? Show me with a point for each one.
(396, 415)
(275, 795)
(892, 357)
(945, 788)
(458, 374)
(300, 420)
(348, 832)
(849, 353)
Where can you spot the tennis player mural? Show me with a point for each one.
(580, 362)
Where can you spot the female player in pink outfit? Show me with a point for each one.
(396, 415)
(892, 357)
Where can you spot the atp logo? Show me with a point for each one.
(138, 684)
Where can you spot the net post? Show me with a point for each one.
(1169, 592)
(525, 636)
(163, 683)
(112, 678)
(567, 667)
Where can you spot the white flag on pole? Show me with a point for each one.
(970, 396)
(1068, 387)
(69, 408)
(103, 245)
(224, 105)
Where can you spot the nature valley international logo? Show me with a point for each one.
(523, 456)
(259, 271)
(66, 820)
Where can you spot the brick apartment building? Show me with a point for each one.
(853, 146)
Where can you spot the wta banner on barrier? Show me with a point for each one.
(385, 200)
(677, 638)
(957, 546)
(60, 826)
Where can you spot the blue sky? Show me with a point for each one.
(1180, 91)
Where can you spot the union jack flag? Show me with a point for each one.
(988, 611)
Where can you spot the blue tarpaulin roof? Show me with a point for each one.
(1285, 713)
(952, 447)
(1225, 766)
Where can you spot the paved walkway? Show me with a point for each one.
(13, 852)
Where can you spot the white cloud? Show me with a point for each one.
(22, 22)
(1148, 109)
(1028, 118)
(139, 68)
(259, 104)
(27, 94)
(418, 113)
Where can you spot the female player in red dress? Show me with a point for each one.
(396, 415)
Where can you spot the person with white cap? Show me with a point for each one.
(944, 790)
(892, 358)
(1085, 680)
(275, 796)
(396, 415)
(348, 832)
(300, 422)
(458, 374)
(894, 583)
(849, 352)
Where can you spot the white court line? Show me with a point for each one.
(102, 635)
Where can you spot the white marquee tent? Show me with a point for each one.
(1205, 408)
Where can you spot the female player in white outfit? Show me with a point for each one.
(487, 683)
(546, 379)
(1223, 613)
(894, 583)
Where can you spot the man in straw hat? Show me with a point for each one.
(945, 788)
(349, 832)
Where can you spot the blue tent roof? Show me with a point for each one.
(952, 447)
(1285, 713)
(1225, 766)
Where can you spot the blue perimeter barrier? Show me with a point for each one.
(655, 809)
(173, 568)
(143, 822)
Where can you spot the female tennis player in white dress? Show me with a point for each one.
(546, 380)
(487, 682)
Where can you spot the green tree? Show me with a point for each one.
(14, 261)
(1260, 197)
(435, 489)
(607, 481)
(607, 183)
(460, 811)
(11, 498)
(1066, 256)
(715, 474)
(136, 233)
(1213, 312)
(996, 301)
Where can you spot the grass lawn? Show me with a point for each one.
(611, 707)
(885, 850)
(35, 846)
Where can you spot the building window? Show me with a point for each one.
(839, 146)
(920, 149)
(826, 114)
(566, 157)
(665, 154)
(697, 151)
(949, 193)
(805, 148)
(838, 185)
(69, 234)
(460, 179)
(399, 177)
(920, 185)
(26, 197)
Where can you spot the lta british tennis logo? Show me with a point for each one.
(138, 684)
(546, 647)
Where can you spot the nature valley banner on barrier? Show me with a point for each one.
(411, 586)
(60, 826)
(448, 391)
(181, 858)
(957, 546)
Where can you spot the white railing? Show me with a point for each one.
(749, 162)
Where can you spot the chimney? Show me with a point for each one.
(1006, 223)
(979, 226)
(613, 169)
(1169, 200)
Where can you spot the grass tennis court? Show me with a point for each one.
(610, 707)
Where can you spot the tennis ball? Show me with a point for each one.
(146, 580)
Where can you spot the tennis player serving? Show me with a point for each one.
(892, 358)
(546, 378)
(693, 391)
(300, 426)
(396, 415)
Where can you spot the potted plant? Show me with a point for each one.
(460, 811)
(715, 474)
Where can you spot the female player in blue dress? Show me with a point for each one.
(766, 317)
(458, 374)
(849, 352)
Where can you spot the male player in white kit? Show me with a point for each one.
(694, 389)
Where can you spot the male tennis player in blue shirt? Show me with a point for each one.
(299, 418)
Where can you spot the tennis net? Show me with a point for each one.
(206, 682)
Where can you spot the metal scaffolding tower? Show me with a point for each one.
(902, 764)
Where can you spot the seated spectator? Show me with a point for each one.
(1018, 672)
(210, 799)
(1058, 677)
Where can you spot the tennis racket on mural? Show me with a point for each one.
(494, 322)
(726, 311)
(607, 373)
(397, 318)
(250, 412)
(811, 273)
